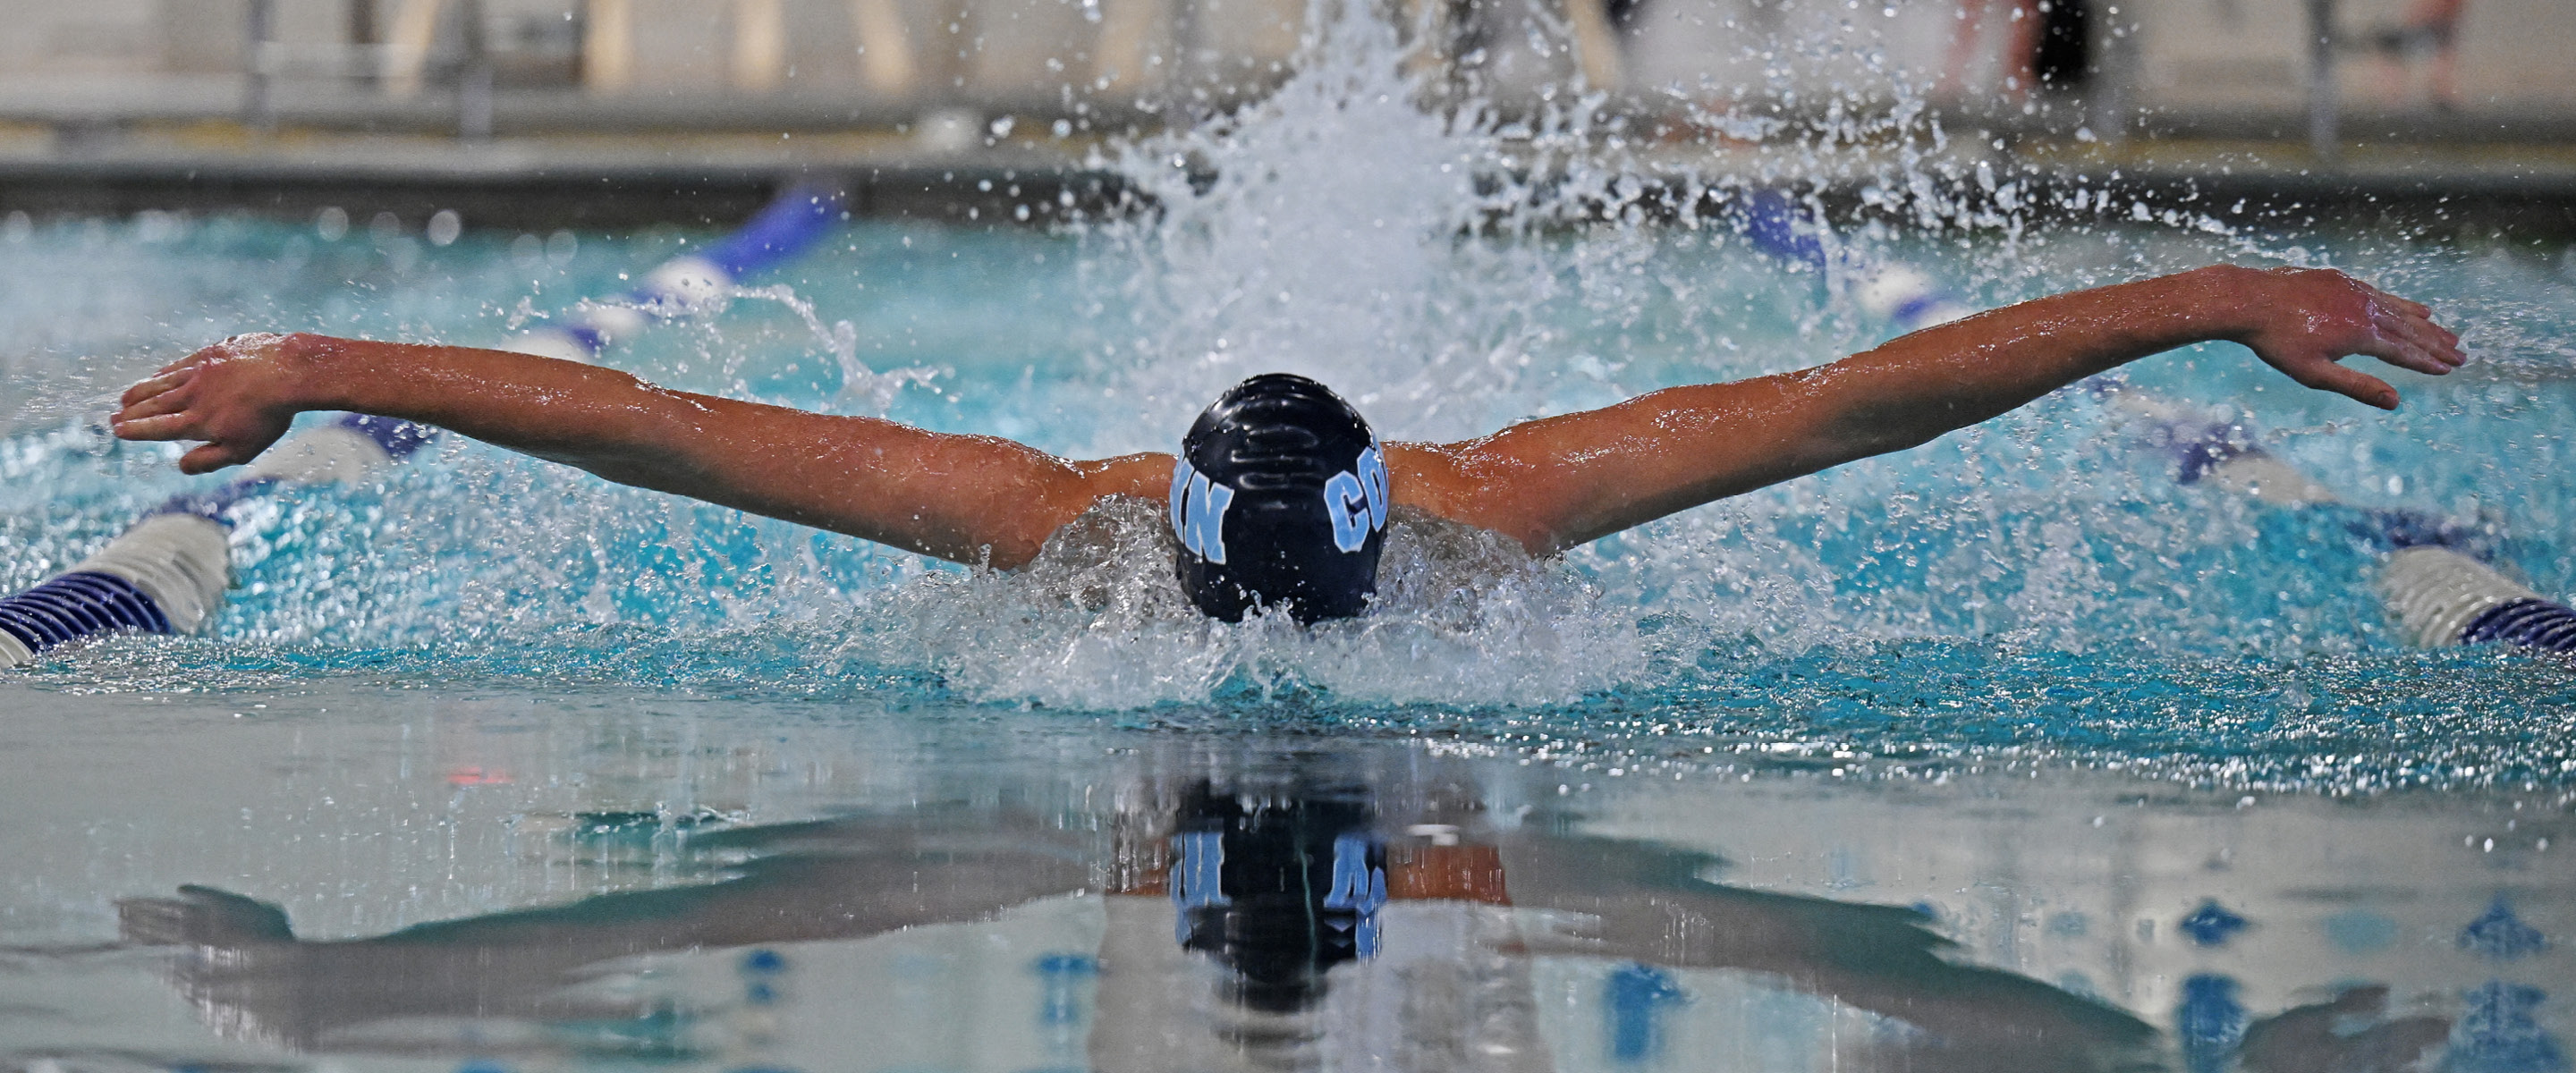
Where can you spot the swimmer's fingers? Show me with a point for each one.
(2403, 304)
(221, 449)
(232, 406)
(2434, 349)
(170, 426)
(2321, 373)
(2413, 321)
(159, 409)
(207, 458)
(2402, 352)
(161, 384)
(169, 400)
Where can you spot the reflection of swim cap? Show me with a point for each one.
(1280, 499)
(1280, 887)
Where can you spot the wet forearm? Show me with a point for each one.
(962, 498)
(1917, 387)
(1583, 476)
(584, 415)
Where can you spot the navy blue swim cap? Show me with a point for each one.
(1280, 500)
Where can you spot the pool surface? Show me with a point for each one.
(2010, 752)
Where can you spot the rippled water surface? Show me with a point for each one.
(2039, 582)
(2012, 751)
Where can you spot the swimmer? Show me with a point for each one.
(1280, 495)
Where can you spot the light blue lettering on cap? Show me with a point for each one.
(1373, 474)
(1202, 518)
(1346, 503)
(1181, 474)
(1356, 502)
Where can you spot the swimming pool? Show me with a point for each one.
(2147, 752)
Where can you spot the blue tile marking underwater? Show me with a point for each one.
(2500, 935)
(1359, 886)
(1635, 999)
(2210, 1022)
(1060, 978)
(2499, 1033)
(2212, 924)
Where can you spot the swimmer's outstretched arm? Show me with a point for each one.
(1561, 481)
(962, 498)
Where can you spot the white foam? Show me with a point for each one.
(1336, 229)
(1462, 617)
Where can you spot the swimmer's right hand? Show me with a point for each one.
(2305, 320)
(238, 396)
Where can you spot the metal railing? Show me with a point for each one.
(470, 66)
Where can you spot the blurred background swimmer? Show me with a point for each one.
(2429, 33)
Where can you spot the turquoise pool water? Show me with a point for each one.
(2042, 582)
(2020, 680)
(2008, 752)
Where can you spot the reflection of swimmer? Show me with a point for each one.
(2349, 1034)
(1276, 923)
(1281, 493)
(819, 881)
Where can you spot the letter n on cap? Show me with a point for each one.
(1198, 509)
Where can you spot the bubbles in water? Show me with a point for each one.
(1452, 259)
(560, 248)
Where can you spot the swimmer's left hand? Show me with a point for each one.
(2304, 320)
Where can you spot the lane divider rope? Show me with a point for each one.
(2431, 583)
(168, 573)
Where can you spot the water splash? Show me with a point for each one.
(1100, 622)
(1329, 230)
(2037, 586)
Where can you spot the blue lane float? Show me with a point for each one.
(168, 573)
(2432, 584)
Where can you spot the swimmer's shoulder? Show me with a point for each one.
(1466, 485)
(1119, 526)
(1119, 553)
(1435, 502)
(1145, 475)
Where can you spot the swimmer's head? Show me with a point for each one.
(1280, 501)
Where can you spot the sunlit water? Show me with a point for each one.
(2020, 677)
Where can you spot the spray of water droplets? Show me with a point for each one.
(1451, 265)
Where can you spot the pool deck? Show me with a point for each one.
(610, 180)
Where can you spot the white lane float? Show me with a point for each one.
(168, 573)
(2436, 593)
